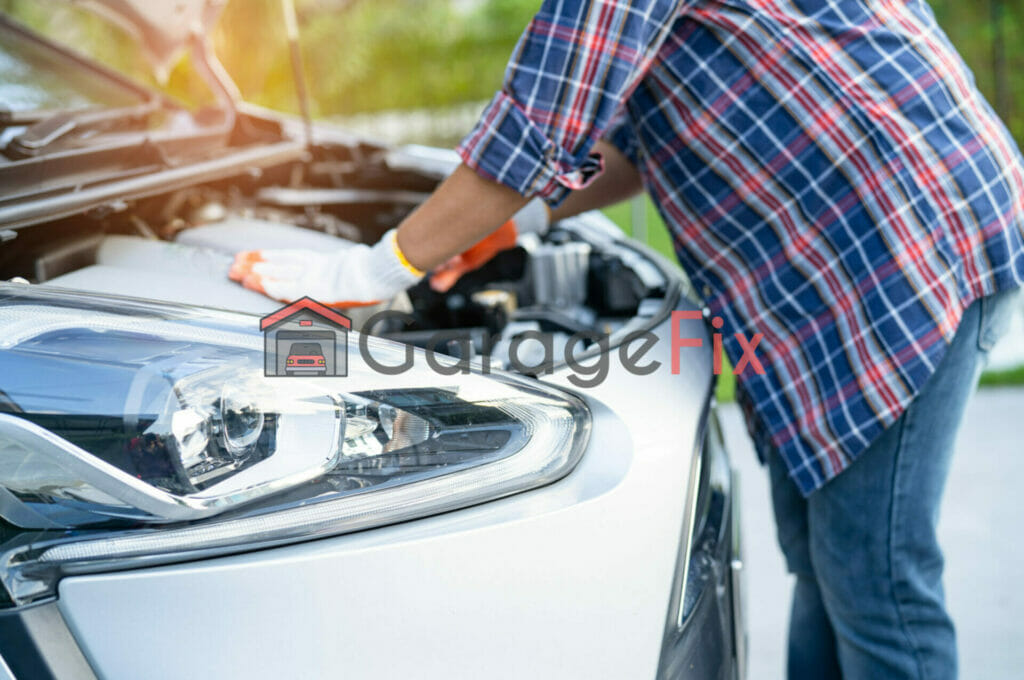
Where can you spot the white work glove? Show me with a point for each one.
(533, 218)
(354, 277)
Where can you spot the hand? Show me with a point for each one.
(354, 277)
(533, 218)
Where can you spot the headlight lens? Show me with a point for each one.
(137, 434)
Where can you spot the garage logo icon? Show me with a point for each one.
(305, 338)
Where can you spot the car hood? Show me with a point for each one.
(164, 28)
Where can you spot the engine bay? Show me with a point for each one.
(581, 280)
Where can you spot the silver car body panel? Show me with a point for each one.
(568, 581)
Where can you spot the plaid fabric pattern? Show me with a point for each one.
(829, 172)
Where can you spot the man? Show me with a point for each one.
(833, 180)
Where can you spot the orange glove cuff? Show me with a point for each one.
(503, 238)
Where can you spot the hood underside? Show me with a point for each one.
(163, 27)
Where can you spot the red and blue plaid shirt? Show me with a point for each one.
(829, 172)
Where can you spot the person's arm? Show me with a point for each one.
(460, 212)
(467, 207)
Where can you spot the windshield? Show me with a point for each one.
(306, 348)
(36, 79)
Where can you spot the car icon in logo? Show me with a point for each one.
(305, 339)
(306, 358)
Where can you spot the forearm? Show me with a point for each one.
(462, 211)
(467, 207)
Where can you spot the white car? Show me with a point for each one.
(512, 480)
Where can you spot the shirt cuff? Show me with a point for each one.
(507, 147)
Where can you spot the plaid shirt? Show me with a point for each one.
(830, 174)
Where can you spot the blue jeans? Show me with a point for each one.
(868, 602)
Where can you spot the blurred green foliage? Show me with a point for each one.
(360, 55)
(990, 36)
(372, 55)
(1006, 378)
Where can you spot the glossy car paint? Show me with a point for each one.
(567, 581)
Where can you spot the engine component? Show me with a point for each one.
(285, 196)
(613, 288)
(559, 273)
(67, 256)
(129, 265)
(165, 286)
(194, 269)
(496, 299)
(132, 252)
(234, 233)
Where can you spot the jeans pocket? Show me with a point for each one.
(996, 312)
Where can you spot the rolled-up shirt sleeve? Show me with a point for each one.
(573, 67)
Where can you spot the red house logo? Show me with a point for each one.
(305, 338)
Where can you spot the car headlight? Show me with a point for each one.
(134, 433)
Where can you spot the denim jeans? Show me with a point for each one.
(868, 602)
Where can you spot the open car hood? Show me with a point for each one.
(163, 27)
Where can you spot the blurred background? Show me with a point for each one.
(376, 56)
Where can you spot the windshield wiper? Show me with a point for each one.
(49, 130)
(11, 118)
